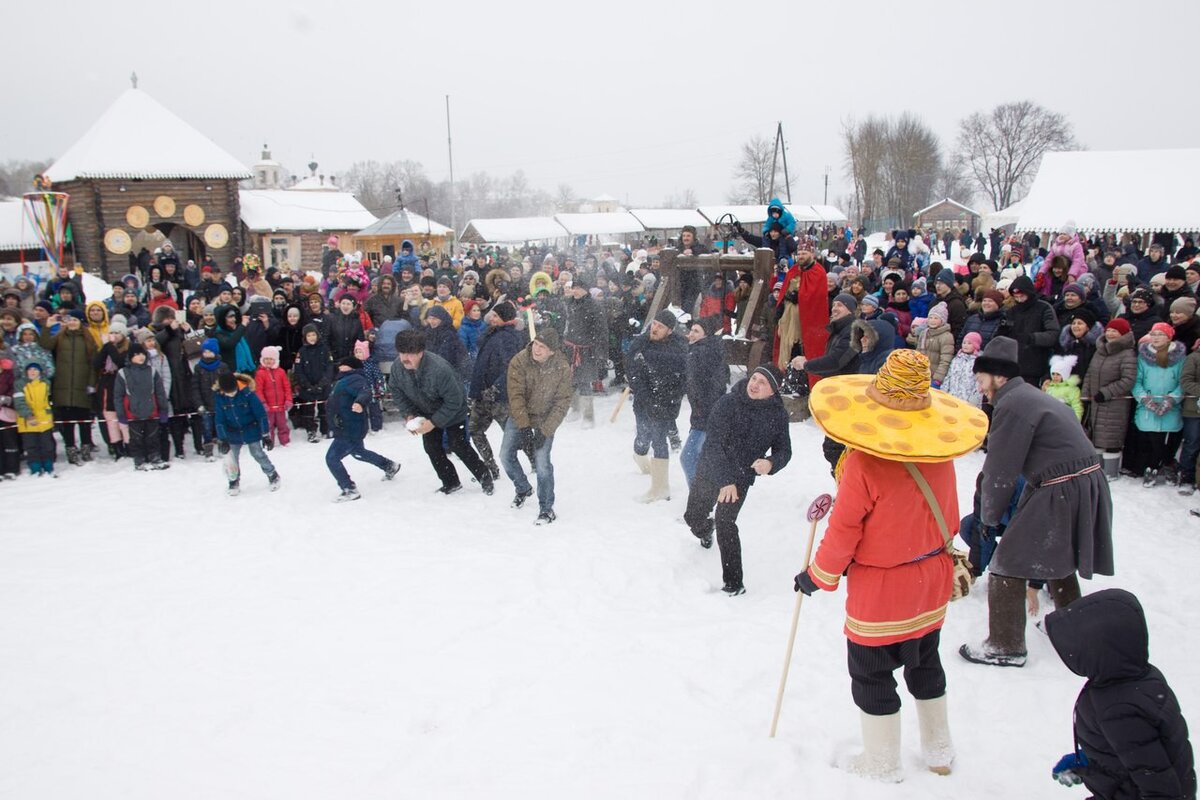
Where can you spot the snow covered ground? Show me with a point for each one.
(161, 640)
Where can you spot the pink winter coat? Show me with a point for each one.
(1073, 252)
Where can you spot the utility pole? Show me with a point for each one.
(450, 148)
(826, 201)
(787, 180)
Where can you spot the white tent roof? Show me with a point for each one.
(139, 138)
(655, 219)
(596, 224)
(284, 210)
(830, 213)
(512, 229)
(405, 223)
(952, 202)
(15, 231)
(1005, 216)
(743, 214)
(1114, 191)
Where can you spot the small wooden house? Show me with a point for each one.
(947, 214)
(140, 174)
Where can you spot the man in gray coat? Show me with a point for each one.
(1063, 522)
(428, 393)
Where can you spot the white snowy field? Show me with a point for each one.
(161, 640)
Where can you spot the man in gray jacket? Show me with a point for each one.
(1063, 522)
(428, 393)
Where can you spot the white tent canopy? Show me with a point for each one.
(405, 223)
(596, 224)
(830, 213)
(1003, 217)
(751, 214)
(512, 230)
(1114, 191)
(667, 219)
(16, 233)
(285, 210)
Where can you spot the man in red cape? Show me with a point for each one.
(802, 310)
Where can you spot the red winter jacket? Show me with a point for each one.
(273, 388)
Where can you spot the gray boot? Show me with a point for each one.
(589, 411)
(1112, 465)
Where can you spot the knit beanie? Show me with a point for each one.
(870, 300)
(1184, 305)
(668, 318)
(1177, 272)
(1120, 325)
(946, 276)
(1075, 289)
(974, 338)
(271, 352)
(994, 295)
(847, 299)
(362, 350)
(506, 311)
(1161, 327)
(771, 373)
(226, 382)
(211, 345)
(940, 311)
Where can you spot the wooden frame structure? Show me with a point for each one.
(744, 348)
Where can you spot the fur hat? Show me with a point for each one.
(999, 358)
(506, 311)
(1062, 365)
(271, 352)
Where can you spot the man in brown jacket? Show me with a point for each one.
(539, 394)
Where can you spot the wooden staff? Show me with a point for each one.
(529, 318)
(620, 402)
(816, 512)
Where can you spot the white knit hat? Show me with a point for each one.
(1062, 365)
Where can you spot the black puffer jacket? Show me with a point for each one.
(839, 357)
(1127, 719)
(1034, 326)
(343, 330)
(312, 375)
(740, 431)
(657, 374)
(707, 377)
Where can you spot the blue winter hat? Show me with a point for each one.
(211, 345)
(946, 276)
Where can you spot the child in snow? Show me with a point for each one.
(960, 379)
(10, 437)
(313, 374)
(348, 403)
(35, 421)
(204, 381)
(1131, 740)
(1063, 385)
(934, 338)
(241, 421)
(275, 391)
(378, 384)
(141, 406)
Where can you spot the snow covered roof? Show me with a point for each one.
(830, 213)
(285, 210)
(405, 223)
(655, 219)
(742, 214)
(1114, 191)
(15, 231)
(512, 229)
(596, 224)
(315, 183)
(1005, 216)
(954, 203)
(137, 137)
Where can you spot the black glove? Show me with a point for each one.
(990, 533)
(792, 297)
(1099, 397)
(267, 443)
(805, 584)
(223, 447)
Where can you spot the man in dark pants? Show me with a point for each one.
(743, 427)
(428, 393)
(1063, 524)
(347, 420)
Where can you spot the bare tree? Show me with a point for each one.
(752, 175)
(685, 199)
(954, 182)
(564, 199)
(911, 167)
(1003, 149)
(16, 177)
(866, 146)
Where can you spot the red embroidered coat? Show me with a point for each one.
(884, 537)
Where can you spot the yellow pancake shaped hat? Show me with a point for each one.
(895, 415)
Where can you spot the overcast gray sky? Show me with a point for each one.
(640, 100)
